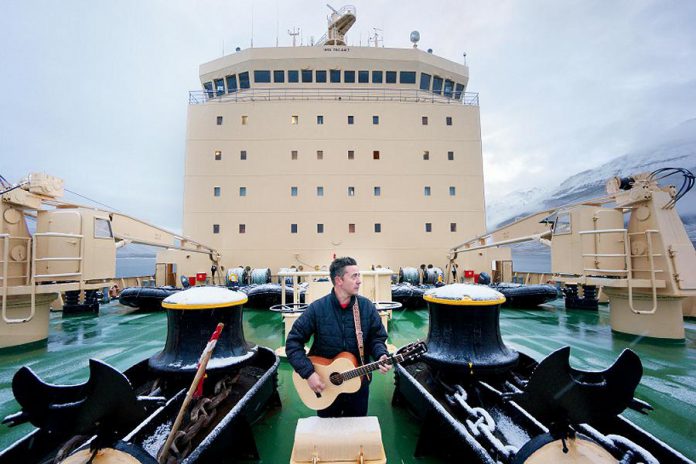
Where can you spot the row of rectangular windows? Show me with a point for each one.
(376, 191)
(320, 155)
(234, 82)
(295, 120)
(351, 228)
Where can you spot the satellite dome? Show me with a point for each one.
(415, 36)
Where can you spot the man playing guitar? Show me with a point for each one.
(331, 320)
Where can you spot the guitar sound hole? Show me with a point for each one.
(336, 378)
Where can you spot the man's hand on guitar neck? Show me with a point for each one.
(315, 383)
(383, 366)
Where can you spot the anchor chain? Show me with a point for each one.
(480, 423)
(632, 453)
(202, 414)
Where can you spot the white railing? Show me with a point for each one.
(197, 97)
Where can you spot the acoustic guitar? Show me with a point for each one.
(342, 374)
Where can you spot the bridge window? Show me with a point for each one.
(231, 83)
(428, 226)
(219, 87)
(424, 120)
(335, 75)
(450, 156)
(448, 120)
(293, 228)
(262, 76)
(453, 191)
(320, 228)
(407, 77)
(102, 228)
(449, 88)
(293, 191)
(216, 228)
(320, 191)
(219, 120)
(437, 85)
(208, 86)
(242, 228)
(425, 81)
(242, 155)
(320, 119)
(363, 77)
(391, 77)
(279, 76)
(321, 76)
(458, 91)
(307, 75)
(351, 119)
(349, 77)
(242, 191)
(453, 226)
(216, 191)
(378, 191)
(375, 120)
(376, 77)
(293, 76)
(244, 80)
(426, 190)
(378, 228)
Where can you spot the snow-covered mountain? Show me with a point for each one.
(676, 148)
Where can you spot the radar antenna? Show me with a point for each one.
(375, 38)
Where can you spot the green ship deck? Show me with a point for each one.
(121, 337)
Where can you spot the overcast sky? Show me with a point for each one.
(96, 92)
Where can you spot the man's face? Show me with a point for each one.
(349, 282)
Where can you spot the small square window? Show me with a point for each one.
(351, 228)
(375, 154)
(378, 191)
(293, 76)
(349, 77)
(242, 228)
(375, 120)
(320, 119)
(219, 120)
(426, 191)
(242, 191)
(293, 228)
(335, 75)
(320, 154)
(391, 77)
(293, 154)
(351, 154)
(321, 76)
(450, 156)
(363, 77)
(351, 119)
(426, 155)
(424, 120)
(376, 77)
(448, 120)
(294, 119)
(428, 227)
(218, 155)
(243, 155)
(320, 228)
(307, 75)
(216, 228)
(378, 228)
(293, 191)
(279, 76)
(453, 191)
(351, 191)
(216, 191)
(320, 191)
(453, 226)
(245, 119)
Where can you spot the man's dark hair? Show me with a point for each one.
(338, 265)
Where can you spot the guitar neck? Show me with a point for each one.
(367, 368)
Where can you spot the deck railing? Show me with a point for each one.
(197, 97)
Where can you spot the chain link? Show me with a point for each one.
(202, 415)
(480, 422)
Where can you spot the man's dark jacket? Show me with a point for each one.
(334, 331)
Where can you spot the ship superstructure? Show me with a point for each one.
(297, 154)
